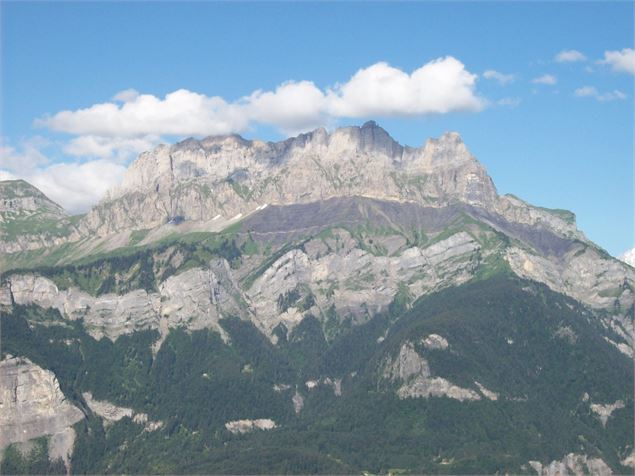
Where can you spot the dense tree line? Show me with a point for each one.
(502, 332)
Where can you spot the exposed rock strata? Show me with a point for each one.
(195, 299)
(359, 284)
(435, 342)
(113, 413)
(413, 372)
(572, 464)
(604, 412)
(228, 175)
(32, 405)
(247, 426)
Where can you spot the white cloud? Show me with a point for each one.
(293, 106)
(509, 102)
(569, 56)
(586, 91)
(75, 186)
(5, 175)
(590, 91)
(120, 149)
(620, 61)
(126, 95)
(548, 79)
(498, 76)
(629, 257)
(440, 86)
(181, 113)
(27, 158)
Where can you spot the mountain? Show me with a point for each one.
(30, 220)
(332, 303)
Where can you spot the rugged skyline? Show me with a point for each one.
(549, 112)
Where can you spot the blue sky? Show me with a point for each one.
(565, 141)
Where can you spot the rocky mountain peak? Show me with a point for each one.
(447, 150)
(19, 196)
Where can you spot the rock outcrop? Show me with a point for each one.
(334, 271)
(572, 464)
(195, 299)
(247, 426)
(112, 413)
(583, 273)
(32, 405)
(605, 411)
(413, 372)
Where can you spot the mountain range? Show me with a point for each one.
(332, 303)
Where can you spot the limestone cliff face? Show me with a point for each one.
(329, 272)
(572, 464)
(334, 271)
(227, 175)
(32, 405)
(586, 275)
(413, 373)
(195, 299)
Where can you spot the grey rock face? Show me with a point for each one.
(605, 411)
(195, 299)
(584, 274)
(113, 413)
(435, 341)
(247, 426)
(414, 373)
(572, 464)
(357, 283)
(32, 405)
(228, 175)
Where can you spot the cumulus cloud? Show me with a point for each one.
(5, 175)
(590, 91)
(76, 186)
(119, 149)
(620, 61)
(547, 79)
(181, 113)
(28, 157)
(569, 56)
(498, 76)
(438, 87)
(293, 106)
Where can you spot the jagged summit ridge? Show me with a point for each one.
(216, 155)
(228, 175)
